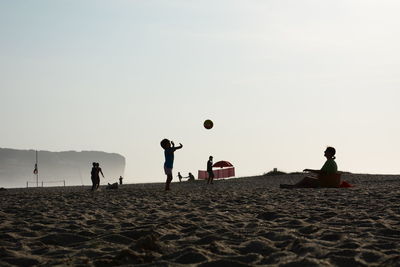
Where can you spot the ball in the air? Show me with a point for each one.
(208, 124)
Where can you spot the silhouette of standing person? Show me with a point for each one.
(120, 180)
(210, 170)
(98, 170)
(94, 176)
(179, 177)
(169, 149)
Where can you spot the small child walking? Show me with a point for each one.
(169, 149)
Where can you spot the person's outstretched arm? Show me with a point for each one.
(178, 147)
(101, 173)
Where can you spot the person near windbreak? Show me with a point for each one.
(325, 177)
(210, 170)
(120, 180)
(179, 177)
(169, 150)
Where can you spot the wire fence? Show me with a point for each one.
(44, 183)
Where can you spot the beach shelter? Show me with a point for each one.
(222, 164)
(226, 170)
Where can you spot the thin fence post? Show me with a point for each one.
(64, 183)
(27, 184)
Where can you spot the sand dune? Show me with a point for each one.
(237, 222)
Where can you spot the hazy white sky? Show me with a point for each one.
(280, 79)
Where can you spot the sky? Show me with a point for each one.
(280, 79)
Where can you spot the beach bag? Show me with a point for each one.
(345, 184)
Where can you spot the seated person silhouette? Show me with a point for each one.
(191, 177)
(112, 186)
(327, 176)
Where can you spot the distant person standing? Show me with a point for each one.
(120, 180)
(94, 176)
(98, 171)
(169, 149)
(179, 177)
(210, 170)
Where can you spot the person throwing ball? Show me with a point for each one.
(210, 170)
(169, 149)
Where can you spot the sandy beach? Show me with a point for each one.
(235, 222)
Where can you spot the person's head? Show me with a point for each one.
(94, 164)
(211, 158)
(330, 152)
(97, 164)
(165, 143)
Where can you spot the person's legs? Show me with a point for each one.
(98, 182)
(93, 183)
(308, 182)
(168, 172)
(287, 186)
(169, 179)
(211, 177)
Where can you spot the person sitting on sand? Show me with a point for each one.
(112, 186)
(191, 177)
(324, 176)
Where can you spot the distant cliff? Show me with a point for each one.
(16, 167)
